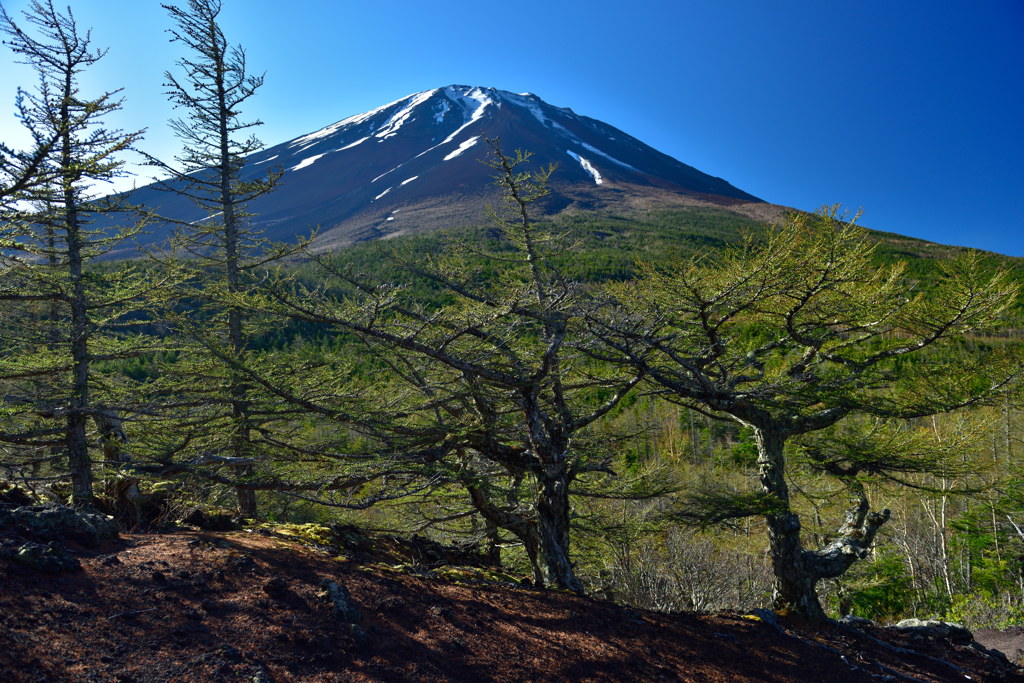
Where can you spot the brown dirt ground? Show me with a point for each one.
(192, 606)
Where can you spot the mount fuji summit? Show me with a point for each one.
(414, 165)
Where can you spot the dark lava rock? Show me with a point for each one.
(241, 563)
(931, 628)
(275, 585)
(88, 527)
(359, 635)
(230, 653)
(343, 606)
(13, 496)
(214, 522)
(52, 558)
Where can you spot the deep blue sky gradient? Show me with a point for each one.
(911, 110)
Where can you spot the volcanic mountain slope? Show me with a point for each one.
(413, 165)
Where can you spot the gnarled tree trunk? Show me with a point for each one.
(553, 524)
(794, 585)
(523, 528)
(112, 438)
(797, 571)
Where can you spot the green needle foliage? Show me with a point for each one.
(62, 317)
(792, 336)
(495, 371)
(220, 414)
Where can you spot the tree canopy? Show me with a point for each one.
(796, 334)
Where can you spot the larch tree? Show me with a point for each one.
(219, 253)
(22, 170)
(805, 333)
(516, 389)
(62, 315)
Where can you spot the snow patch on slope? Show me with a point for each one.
(382, 194)
(390, 128)
(525, 100)
(357, 119)
(266, 160)
(442, 109)
(610, 158)
(335, 127)
(353, 144)
(475, 101)
(466, 144)
(308, 161)
(208, 218)
(409, 180)
(588, 167)
(386, 173)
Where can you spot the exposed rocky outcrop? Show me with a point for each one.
(84, 526)
(52, 558)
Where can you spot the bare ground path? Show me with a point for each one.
(236, 606)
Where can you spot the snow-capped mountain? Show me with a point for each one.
(413, 164)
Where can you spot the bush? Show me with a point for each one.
(880, 590)
(985, 610)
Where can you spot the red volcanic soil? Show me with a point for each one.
(239, 606)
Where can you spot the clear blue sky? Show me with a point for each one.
(912, 110)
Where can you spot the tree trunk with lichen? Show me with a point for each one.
(520, 526)
(553, 524)
(797, 571)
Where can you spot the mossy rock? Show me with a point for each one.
(52, 558)
(312, 533)
(464, 576)
(85, 526)
(163, 487)
(353, 539)
(12, 495)
(474, 576)
(383, 567)
(61, 491)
